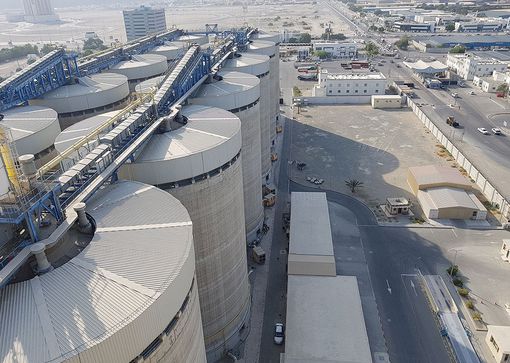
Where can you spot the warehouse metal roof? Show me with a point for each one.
(310, 229)
(142, 243)
(426, 67)
(432, 175)
(325, 321)
(447, 197)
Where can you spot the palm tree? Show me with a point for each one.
(353, 184)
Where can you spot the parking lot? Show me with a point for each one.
(376, 147)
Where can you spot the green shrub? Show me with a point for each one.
(477, 316)
(453, 270)
(463, 292)
(469, 305)
(458, 282)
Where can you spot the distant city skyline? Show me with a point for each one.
(15, 4)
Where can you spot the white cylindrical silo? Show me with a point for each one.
(87, 97)
(170, 51)
(271, 37)
(77, 132)
(141, 67)
(128, 293)
(33, 129)
(199, 163)
(270, 49)
(149, 85)
(258, 65)
(189, 39)
(239, 93)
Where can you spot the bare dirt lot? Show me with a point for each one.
(377, 147)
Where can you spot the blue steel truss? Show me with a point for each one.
(48, 73)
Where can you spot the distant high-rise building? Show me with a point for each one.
(39, 11)
(142, 21)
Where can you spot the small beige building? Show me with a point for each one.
(444, 193)
(396, 206)
(498, 340)
(311, 245)
(386, 101)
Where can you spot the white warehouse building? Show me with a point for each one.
(469, 66)
(349, 84)
(337, 49)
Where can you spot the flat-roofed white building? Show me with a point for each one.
(469, 66)
(350, 84)
(337, 49)
(311, 245)
(498, 340)
(491, 84)
(325, 321)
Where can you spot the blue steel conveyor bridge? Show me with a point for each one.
(78, 172)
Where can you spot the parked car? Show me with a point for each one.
(472, 93)
(483, 130)
(496, 130)
(279, 333)
(455, 95)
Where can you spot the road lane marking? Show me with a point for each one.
(497, 103)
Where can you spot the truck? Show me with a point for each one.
(259, 255)
(450, 120)
(307, 77)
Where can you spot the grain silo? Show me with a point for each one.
(170, 51)
(120, 287)
(199, 163)
(33, 130)
(149, 85)
(239, 93)
(270, 49)
(258, 65)
(141, 67)
(87, 97)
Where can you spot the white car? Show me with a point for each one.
(483, 130)
(455, 95)
(279, 333)
(496, 130)
(472, 93)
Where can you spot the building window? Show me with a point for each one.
(376, 91)
(330, 91)
(365, 91)
(365, 84)
(347, 91)
(339, 91)
(356, 91)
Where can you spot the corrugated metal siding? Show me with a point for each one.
(21, 335)
(113, 299)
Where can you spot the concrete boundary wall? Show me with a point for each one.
(488, 189)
